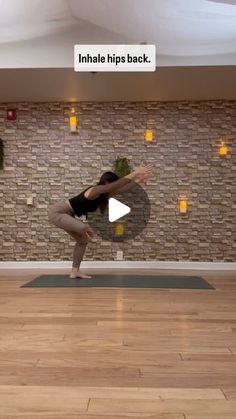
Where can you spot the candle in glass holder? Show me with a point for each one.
(183, 204)
(148, 135)
(119, 229)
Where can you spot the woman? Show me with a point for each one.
(62, 214)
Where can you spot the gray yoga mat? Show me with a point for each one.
(120, 281)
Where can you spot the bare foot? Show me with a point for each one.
(79, 274)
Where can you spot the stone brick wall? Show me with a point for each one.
(44, 159)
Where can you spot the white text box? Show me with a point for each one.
(115, 58)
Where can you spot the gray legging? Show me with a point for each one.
(62, 216)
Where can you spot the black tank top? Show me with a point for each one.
(81, 205)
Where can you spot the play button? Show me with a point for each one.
(125, 218)
(117, 210)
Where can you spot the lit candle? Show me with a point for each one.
(223, 149)
(183, 204)
(148, 135)
(119, 229)
(73, 123)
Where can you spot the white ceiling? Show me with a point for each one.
(41, 33)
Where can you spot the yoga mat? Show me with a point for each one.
(120, 281)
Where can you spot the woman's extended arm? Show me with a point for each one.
(123, 188)
(95, 191)
(140, 180)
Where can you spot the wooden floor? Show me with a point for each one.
(117, 353)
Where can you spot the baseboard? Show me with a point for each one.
(215, 266)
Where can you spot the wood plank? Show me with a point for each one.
(104, 357)
(38, 399)
(51, 376)
(54, 343)
(68, 377)
(110, 406)
(229, 357)
(206, 367)
(18, 358)
(136, 393)
(188, 327)
(150, 393)
(177, 346)
(86, 357)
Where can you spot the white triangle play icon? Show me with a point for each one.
(117, 210)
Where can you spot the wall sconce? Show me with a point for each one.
(223, 150)
(30, 200)
(183, 204)
(148, 135)
(119, 229)
(73, 121)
